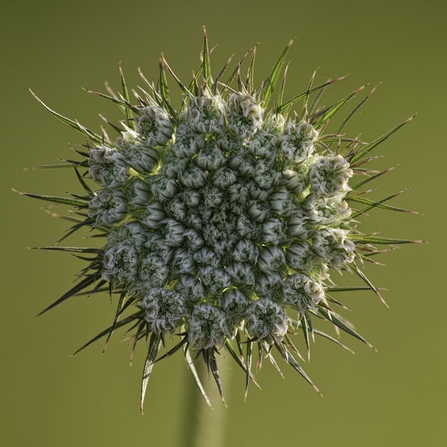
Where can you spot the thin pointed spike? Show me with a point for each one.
(115, 320)
(330, 112)
(324, 335)
(220, 74)
(248, 362)
(369, 147)
(73, 124)
(77, 288)
(234, 72)
(104, 332)
(372, 177)
(154, 345)
(354, 110)
(191, 366)
(273, 77)
(305, 110)
(206, 59)
(334, 319)
(251, 71)
(280, 96)
(353, 267)
(176, 79)
(55, 199)
(288, 357)
(125, 94)
(305, 328)
(82, 182)
(215, 373)
(296, 98)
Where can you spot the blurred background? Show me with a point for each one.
(392, 398)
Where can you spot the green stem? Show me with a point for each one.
(203, 426)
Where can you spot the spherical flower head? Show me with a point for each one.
(222, 216)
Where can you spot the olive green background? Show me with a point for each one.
(393, 398)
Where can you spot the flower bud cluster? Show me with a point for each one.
(222, 218)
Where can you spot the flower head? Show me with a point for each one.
(224, 218)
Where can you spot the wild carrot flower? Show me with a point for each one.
(224, 217)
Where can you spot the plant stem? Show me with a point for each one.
(203, 426)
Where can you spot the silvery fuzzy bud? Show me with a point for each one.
(263, 145)
(326, 211)
(107, 167)
(281, 202)
(154, 126)
(163, 188)
(266, 321)
(299, 256)
(269, 285)
(172, 166)
(120, 263)
(193, 177)
(234, 303)
(186, 144)
(153, 271)
(206, 256)
(216, 279)
(182, 262)
(141, 158)
(194, 220)
(258, 211)
(228, 142)
(174, 232)
(129, 233)
(244, 115)
(194, 239)
(242, 274)
(156, 244)
(302, 292)
(191, 198)
(244, 165)
(190, 287)
(333, 247)
(206, 114)
(153, 216)
(295, 180)
(224, 177)
(212, 196)
(297, 225)
(138, 193)
(329, 176)
(265, 177)
(271, 259)
(272, 231)
(177, 208)
(207, 326)
(246, 251)
(297, 142)
(163, 309)
(107, 206)
(256, 193)
(210, 157)
(239, 192)
(247, 228)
